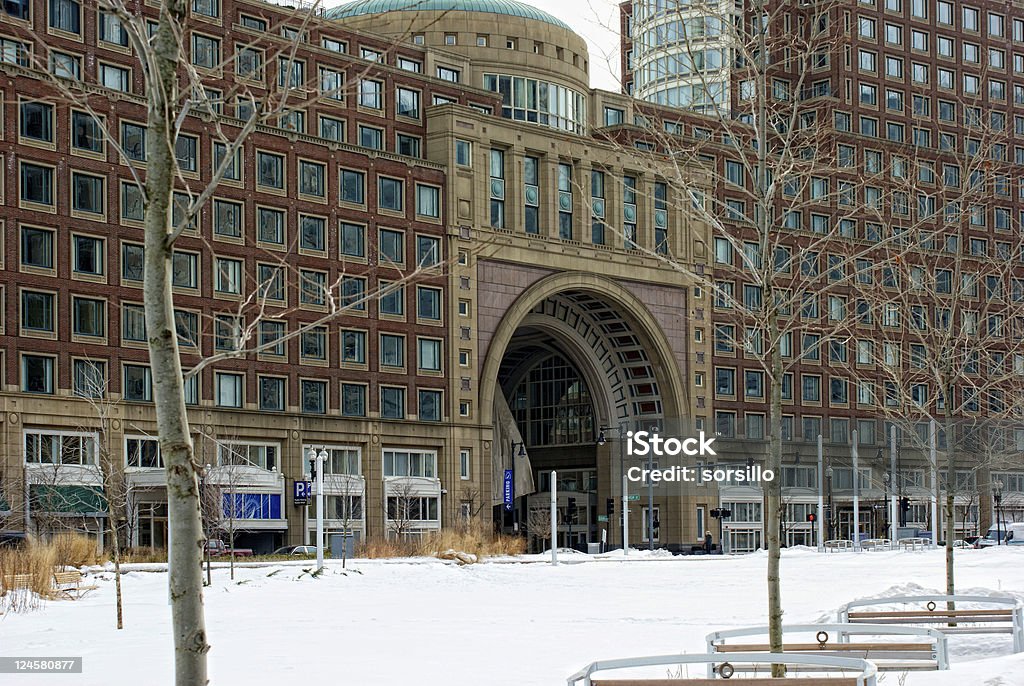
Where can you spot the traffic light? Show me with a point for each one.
(610, 508)
(904, 504)
(570, 511)
(811, 517)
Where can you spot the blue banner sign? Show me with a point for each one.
(509, 490)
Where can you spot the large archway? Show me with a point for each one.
(572, 354)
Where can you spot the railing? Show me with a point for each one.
(940, 651)
(867, 672)
(1013, 614)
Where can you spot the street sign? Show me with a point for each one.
(633, 496)
(301, 494)
(509, 490)
(602, 518)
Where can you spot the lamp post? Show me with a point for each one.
(997, 495)
(316, 466)
(512, 459)
(205, 514)
(831, 510)
(621, 430)
(887, 480)
(650, 493)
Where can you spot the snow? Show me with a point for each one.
(503, 621)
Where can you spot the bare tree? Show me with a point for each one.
(401, 508)
(538, 522)
(793, 215)
(950, 329)
(113, 488)
(171, 200)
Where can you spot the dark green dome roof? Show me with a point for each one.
(511, 8)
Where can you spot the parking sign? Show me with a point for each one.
(303, 489)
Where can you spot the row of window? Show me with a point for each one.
(89, 316)
(38, 250)
(838, 391)
(90, 380)
(837, 268)
(71, 447)
(945, 15)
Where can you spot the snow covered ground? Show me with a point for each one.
(521, 622)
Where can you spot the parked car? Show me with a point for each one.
(217, 548)
(1008, 533)
(296, 550)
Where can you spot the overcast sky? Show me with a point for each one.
(598, 22)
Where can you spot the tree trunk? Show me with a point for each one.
(950, 495)
(773, 491)
(185, 522)
(117, 569)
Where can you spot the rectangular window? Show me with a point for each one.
(37, 373)
(391, 194)
(89, 378)
(138, 383)
(429, 405)
(37, 184)
(270, 170)
(353, 400)
(353, 185)
(228, 389)
(392, 405)
(86, 132)
(37, 312)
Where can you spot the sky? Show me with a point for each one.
(598, 22)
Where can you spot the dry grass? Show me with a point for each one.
(479, 541)
(74, 550)
(26, 576)
(26, 573)
(130, 555)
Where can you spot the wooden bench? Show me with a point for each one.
(824, 681)
(850, 671)
(913, 543)
(1006, 618)
(69, 584)
(896, 655)
(16, 581)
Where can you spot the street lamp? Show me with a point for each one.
(512, 457)
(887, 480)
(316, 467)
(601, 440)
(205, 513)
(997, 495)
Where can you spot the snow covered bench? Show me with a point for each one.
(69, 584)
(853, 671)
(894, 656)
(1006, 618)
(838, 545)
(876, 544)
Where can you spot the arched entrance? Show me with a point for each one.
(572, 354)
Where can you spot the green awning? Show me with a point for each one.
(68, 500)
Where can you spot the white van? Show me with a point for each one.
(1008, 533)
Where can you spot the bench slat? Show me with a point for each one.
(934, 613)
(843, 681)
(816, 647)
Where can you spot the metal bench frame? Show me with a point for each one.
(868, 673)
(838, 545)
(842, 633)
(1012, 604)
